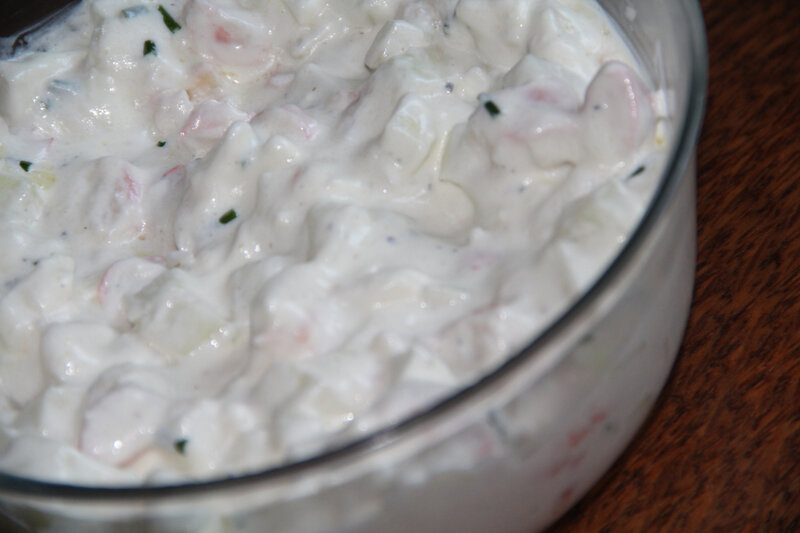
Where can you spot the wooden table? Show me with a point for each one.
(721, 451)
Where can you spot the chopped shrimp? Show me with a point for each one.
(113, 208)
(131, 188)
(229, 35)
(177, 170)
(207, 123)
(170, 110)
(287, 120)
(617, 114)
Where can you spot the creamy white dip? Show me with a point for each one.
(236, 232)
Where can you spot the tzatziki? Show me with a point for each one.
(236, 233)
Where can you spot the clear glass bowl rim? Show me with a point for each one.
(678, 162)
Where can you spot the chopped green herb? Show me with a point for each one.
(26, 165)
(491, 108)
(636, 172)
(161, 144)
(227, 217)
(169, 22)
(180, 446)
(149, 48)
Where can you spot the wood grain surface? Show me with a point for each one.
(721, 450)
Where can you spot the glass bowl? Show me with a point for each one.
(510, 452)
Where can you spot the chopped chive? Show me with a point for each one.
(491, 108)
(149, 48)
(169, 22)
(161, 144)
(180, 446)
(227, 217)
(26, 165)
(636, 172)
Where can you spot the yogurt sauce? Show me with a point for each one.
(235, 233)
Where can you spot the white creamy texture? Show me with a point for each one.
(294, 222)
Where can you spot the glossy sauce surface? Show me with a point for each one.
(235, 235)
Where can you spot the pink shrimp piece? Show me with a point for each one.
(295, 178)
(103, 286)
(348, 98)
(287, 120)
(551, 93)
(229, 36)
(114, 206)
(577, 436)
(598, 417)
(537, 125)
(131, 188)
(221, 35)
(302, 334)
(568, 462)
(45, 149)
(173, 171)
(538, 94)
(208, 122)
(617, 113)
(291, 342)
